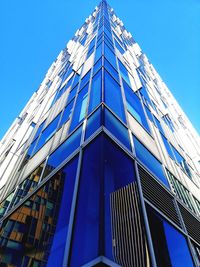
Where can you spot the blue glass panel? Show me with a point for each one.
(144, 94)
(124, 73)
(149, 114)
(64, 150)
(93, 123)
(97, 66)
(66, 113)
(90, 52)
(116, 128)
(134, 106)
(41, 224)
(110, 56)
(150, 161)
(59, 240)
(98, 53)
(121, 50)
(72, 93)
(178, 156)
(159, 125)
(47, 133)
(105, 169)
(168, 147)
(31, 148)
(111, 70)
(85, 79)
(39, 130)
(76, 79)
(96, 91)
(80, 107)
(112, 89)
(170, 245)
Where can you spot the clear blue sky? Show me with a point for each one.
(33, 33)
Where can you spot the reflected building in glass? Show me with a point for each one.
(101, 168)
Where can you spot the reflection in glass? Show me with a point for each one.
(105, 169)
(96, 91)
(63, 151)
(112, 88)
(150, 161)
(40, 225)
(170, 246)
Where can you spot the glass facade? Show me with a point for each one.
(94, 181)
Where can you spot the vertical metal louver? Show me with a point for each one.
(158, 196)
(192, 224)
(129, 240)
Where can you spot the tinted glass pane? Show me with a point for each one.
(93, 123)
(167, 146)
(170, 245)
(97, 66)
(150, 161)
(96, 89)
(72, 93)
(40, 224)
(64, 150)
(112, 89)
(158, 125)
(110, 56)
(28, 184)
(124, 73)
(76, 79)
(98, 53)
(149, 114)
(116, 128)
(66, 114)
(68, 173)
(105, 169)
(47, 133)
(134, 106)
(121, 50)
(39, 129)
(85, 79)
(31, 148)
(111, 70)
(80, 107)
(178, 156)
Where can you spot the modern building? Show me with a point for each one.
(101, 168)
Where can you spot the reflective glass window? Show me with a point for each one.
(105, 169)
(170, 246)
(116, 128)
(47, 133)
(97, 66)
(66, 113)
(158, 125)
(167, 146)
(111, 70)
(150, 161)
(76, 79)
(80, 107)
(110, 56)
(149, 114)
(134, 106)
(64, 150)
(118, 46)
(94, 122)
(112, 89)
(124, 73)
(85, 79)
(72, 93)
(39, 227)
(96, 91)
(98, 53)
